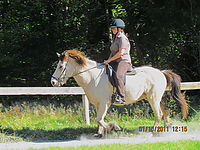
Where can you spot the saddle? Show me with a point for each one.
(112, 74)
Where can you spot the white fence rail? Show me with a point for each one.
(72, 91)
(189, 86)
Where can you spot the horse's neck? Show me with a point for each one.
(85, 78)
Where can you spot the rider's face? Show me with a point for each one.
(114, 30)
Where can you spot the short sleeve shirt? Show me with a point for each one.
(121, 41)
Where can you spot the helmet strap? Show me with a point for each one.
(118, 31)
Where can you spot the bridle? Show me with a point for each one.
(60, 78)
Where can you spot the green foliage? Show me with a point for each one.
(163, 34)
(32, 32)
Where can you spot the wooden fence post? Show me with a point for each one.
(86, 105)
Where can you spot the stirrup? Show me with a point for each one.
(119, 101)
(116, 99)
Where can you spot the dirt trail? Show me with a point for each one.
(143, 138)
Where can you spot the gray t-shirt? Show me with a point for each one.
(121, 41)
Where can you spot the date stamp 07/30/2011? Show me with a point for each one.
(163, 129)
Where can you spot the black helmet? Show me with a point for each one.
(118, 23)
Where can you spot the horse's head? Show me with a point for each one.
(66, 66)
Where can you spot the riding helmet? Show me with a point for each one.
(118, 23)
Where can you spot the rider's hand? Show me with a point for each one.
(106, 62)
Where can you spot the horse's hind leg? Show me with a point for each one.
(154, 100)
(157, 112)
(166, 113)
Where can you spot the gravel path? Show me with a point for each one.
(143, 138)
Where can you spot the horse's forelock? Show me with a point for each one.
(74, 54)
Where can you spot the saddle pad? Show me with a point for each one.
(133, 72)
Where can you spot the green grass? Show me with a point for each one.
(35, 122)
(43, 123)
(180, 145)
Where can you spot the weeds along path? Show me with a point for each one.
(85, 140)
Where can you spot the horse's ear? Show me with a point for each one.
(66, 54)
(58, 55)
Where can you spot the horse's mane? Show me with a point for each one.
(74, 54)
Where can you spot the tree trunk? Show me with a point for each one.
(139, 49)
(135, 37)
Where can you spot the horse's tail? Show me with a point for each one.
(173, 82)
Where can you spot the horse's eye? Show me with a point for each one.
(61, 66)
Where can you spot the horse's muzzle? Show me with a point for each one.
(55, 83)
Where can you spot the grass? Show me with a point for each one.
(35, 122)
(180, 145)
(38, 122)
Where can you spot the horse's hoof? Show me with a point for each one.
(98, 135)
(116, 127)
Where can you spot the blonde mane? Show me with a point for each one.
(74, 54)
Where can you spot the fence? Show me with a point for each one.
(72, 91)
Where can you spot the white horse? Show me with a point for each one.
(149, 83)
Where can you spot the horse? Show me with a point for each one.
(149, 83)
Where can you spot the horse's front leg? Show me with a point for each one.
(101, 113)
(100, 132)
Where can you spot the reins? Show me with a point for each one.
(59, 79)
(86, 70)
(92, 68)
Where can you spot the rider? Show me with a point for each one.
(120, 57)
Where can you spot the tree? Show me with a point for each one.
(163, 34)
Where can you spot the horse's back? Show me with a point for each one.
(149, 74)
(148, 80)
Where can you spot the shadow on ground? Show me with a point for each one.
(29, 135)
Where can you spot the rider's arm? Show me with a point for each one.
(116, 56)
